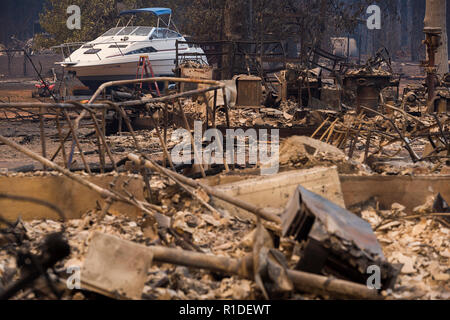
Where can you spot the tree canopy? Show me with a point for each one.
(311, 20)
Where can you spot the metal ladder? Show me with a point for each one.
(145, 65)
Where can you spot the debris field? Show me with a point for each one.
(92, 188)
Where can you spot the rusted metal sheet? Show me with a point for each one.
(249, 91)
(338, 242)
(72, 198)
(410, 191)
(274, 191)
(116, 268)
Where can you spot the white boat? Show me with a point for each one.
(116, 53)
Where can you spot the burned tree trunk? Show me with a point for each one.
(228, 19)
(417, 11)
(250, 20)
(435, 17)
(228, 31)
(405, 22)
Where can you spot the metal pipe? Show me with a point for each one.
(77, 143)
(42, 133)
(160, 79)
(103, 87)
(302, 281)
(194, 145)
(163, 144)
(37, 105)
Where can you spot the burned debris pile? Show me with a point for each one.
(248, 188)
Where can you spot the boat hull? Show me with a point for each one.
(93, 76)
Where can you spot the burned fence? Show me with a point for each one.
(17, 63)
(232, 58)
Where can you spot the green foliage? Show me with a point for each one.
(97, 16)
(313, 21)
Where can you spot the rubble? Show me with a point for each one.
(154, 229)
(420, 243)
(227, 238)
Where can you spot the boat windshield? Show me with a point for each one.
(164, 33)
(126, 31)
(135, 31)
(112, 32)
(142, 31)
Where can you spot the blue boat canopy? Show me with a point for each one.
(156, 11)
